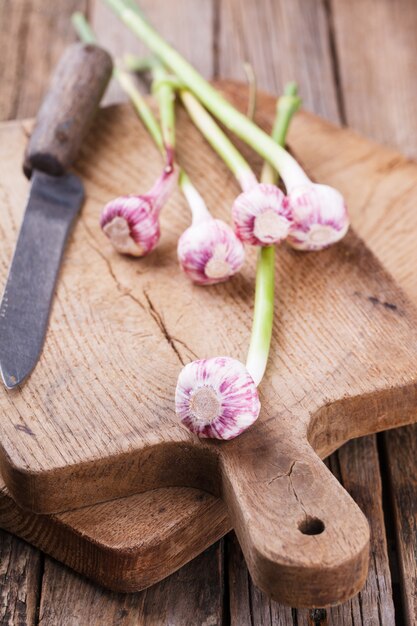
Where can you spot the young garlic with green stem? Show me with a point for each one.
(319, 212)
(131, 222)
(208, 251)
(218, 397)
(260, 213)
(287, 105)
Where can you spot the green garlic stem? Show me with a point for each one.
(263, 315)
(253, 90)
(172, 81)
(218, 140)
(291, 172)
(166, 99)
(133, 63)
(286, 106)
(87, 35)
(142, 108)
(198, 208)
(83, 28)
(135, 7)
(165, 94)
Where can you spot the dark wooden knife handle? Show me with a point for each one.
(68, 108)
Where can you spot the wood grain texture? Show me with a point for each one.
(34, 34)
(68, 108)
(356, 466)
(294, 467)
(376, 50)
(126, 544)
(401, 447)
(191, 596)
(187, 25)
(355, 39)
(283, 41)
(248, 605)
(20, 581)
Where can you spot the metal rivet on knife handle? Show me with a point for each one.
(67, 111)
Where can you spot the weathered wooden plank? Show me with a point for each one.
(187, 25)
(20, 574)
(193, 595)
(247, 605)
(358, 470)
(376, 48)
(401, 447)
(283, 41)
(33, 35)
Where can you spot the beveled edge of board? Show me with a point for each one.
(147, 559)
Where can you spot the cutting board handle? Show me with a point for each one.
(68, 108)
(297, 526)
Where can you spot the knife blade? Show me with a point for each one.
(55, 199)
(24, 311)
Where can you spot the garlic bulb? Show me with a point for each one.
(319, 216)
(216, 398)
(209, 252)
(261, 215)
(132, 222)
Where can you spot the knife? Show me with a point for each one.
(55, 198)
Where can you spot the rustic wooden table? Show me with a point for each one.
(356, 64)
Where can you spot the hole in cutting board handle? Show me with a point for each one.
(311, 526)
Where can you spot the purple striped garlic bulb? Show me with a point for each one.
(319, 214)
(261, 215)
(209, 252)
(132, 222)
(216, 398)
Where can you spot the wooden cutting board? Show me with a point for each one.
(96, 419)
(126, 544)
